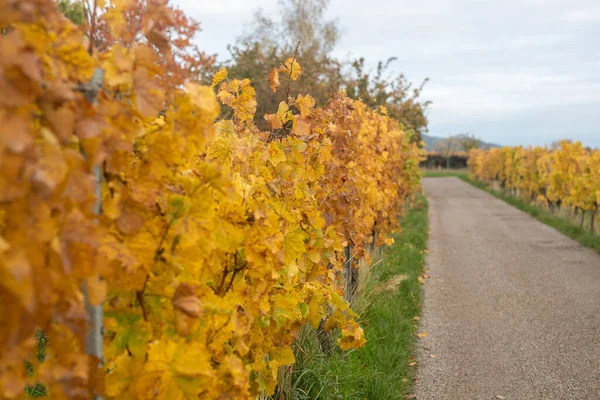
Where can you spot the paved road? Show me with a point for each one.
(511, 308)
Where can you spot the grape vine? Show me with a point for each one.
(565, 176)
(215, 243)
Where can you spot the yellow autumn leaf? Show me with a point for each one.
(352, 336)
(123, 370)
(204, 99)
(219, 77)
(285, 309)
(335, 320)
(276, 154)
(297, 144)
(118, 70)
(292, 68)
(283, 112)
(244, 105)
(180, 371)
(305, 105)
(294, 246)
(314, 256)
(278, 119)
(284, 356)
(315, 307)
(220, 148)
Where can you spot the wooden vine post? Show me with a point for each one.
(94, 341)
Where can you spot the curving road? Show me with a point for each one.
(511, 308)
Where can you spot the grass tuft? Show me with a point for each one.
(446, 173)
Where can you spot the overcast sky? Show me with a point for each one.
(509, 71)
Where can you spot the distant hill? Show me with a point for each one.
(430, 142)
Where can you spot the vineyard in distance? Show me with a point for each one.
(176, 227)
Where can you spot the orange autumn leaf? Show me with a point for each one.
(305, 105)
(273, 79)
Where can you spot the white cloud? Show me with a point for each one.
(589, 14)
(230, 7)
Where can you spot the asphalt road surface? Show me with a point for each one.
(511, 308)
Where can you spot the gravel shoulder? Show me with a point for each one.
(511, 308)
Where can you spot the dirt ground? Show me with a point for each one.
(511, 308)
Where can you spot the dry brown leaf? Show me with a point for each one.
(301, 127)
(15, 132)
(274, 121)
(185, 300)
(391, 284)
(274, 79)
(130, 221)
(62, 122)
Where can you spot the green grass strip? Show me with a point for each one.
(568, 228)
(444, 174)
(380, 370)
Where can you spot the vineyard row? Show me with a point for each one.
(206, 243)
(565, 176)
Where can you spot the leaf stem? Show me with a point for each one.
(93, 28)
(287, 93)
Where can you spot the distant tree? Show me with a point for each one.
(74, 10)
(446, 145)
(470, 142)
(459, 142)
(396, 94)
(271, 40)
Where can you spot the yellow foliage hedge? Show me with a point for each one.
(209, 243)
